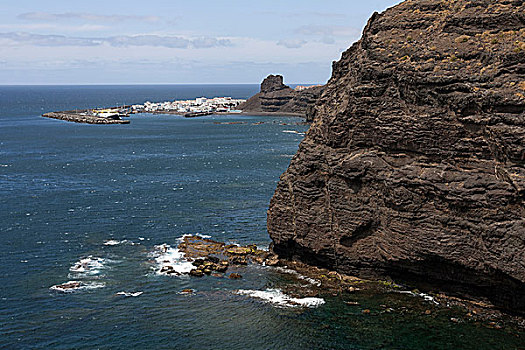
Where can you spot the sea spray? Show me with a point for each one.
(279, 299)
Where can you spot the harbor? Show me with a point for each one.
(93, 116)
(198, 107)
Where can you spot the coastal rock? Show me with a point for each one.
(277, 98)
(413, 167)
(217, 256)
(68, 286)
(273, 83)
(196, 273)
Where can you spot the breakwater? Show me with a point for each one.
(83, 116)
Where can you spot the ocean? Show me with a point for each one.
(93, 203)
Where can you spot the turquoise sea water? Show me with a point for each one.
(107, 195)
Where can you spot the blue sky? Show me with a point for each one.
(176, 42)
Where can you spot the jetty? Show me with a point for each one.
(92, 116)
(197, 114)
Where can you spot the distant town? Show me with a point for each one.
(188, 108)
(201, 105)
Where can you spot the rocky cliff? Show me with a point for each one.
(275, 97)
(414, 165)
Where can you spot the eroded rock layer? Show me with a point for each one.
(414, 165)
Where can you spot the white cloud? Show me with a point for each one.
(292, 43)
(302, 14)
(327, 34)
(54, 26)
(177, 42)
(90, 17)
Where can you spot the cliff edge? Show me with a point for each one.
(414, 165)
(277, 98)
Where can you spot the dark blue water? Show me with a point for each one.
(66, 189)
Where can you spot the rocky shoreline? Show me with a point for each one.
(216, 259)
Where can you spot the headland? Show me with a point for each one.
(413, 168)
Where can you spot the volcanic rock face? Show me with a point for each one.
(414, 165)
(275, 97)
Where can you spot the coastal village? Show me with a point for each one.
(290, 101)
(198, 105)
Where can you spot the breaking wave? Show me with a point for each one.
(299, 276)
(130, 294)
(278, 298)
(72, 286)
(88, 266)
(170, 261)
(112, 242)
(425, 297)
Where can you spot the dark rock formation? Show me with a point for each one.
(414, 165)
(273, 83)
(277, 98)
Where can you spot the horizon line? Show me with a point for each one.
(141, 84)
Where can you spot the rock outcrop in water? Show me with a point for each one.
(414, 165)
(277, 98)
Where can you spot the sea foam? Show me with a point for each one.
(113, 242)
(130, 294)
(299, 276)
(166, 257)
(88, 266)
(425, 296)
(72, 286)
(278, 298)
(294, 132)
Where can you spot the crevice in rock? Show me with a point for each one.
(362, 231)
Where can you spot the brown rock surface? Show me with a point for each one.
(414, 165)
(275, 97)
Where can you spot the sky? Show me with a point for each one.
(176, 41)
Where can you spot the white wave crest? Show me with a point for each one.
(298, 275)
(72, 286)
(425, 296)
(278, 298)
(170, 261)
(181, 239)
(130, 294)
(294, 132)
(88, 266)
(112, 242)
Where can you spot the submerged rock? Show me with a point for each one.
(414, 165)
(68, 286)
